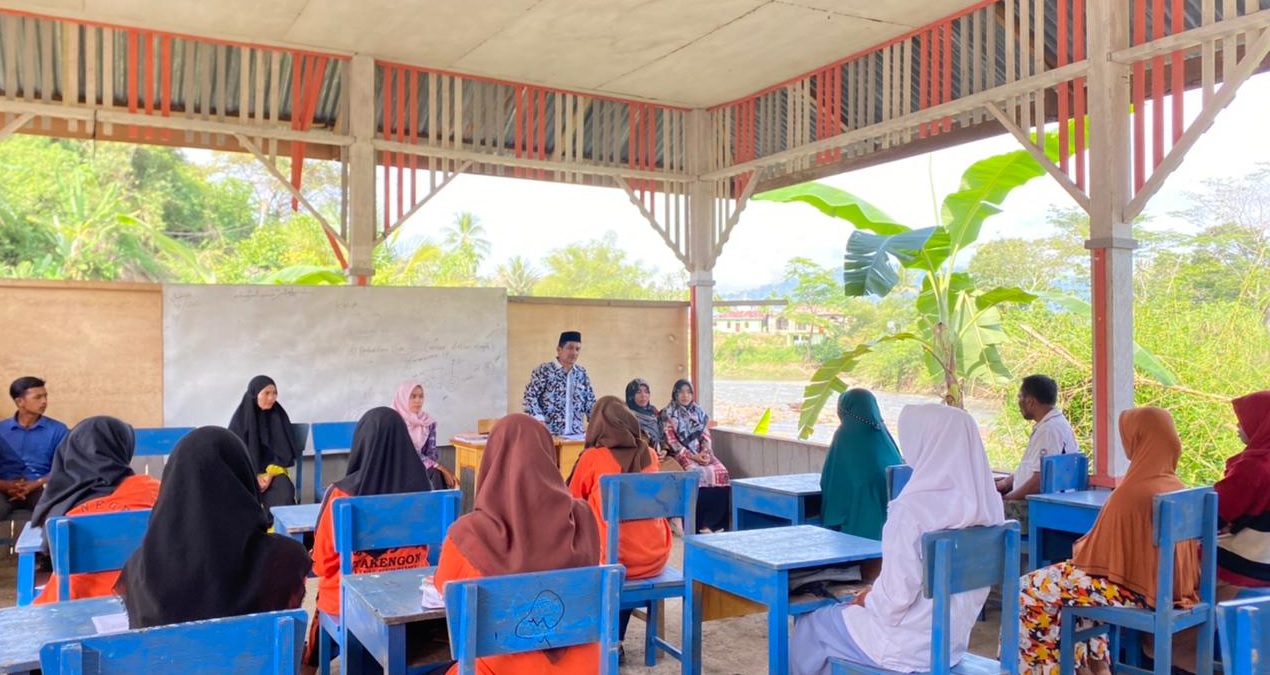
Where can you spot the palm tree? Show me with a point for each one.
(518, 276)
(467, 234)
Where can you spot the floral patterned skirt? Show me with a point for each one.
(1043, 594)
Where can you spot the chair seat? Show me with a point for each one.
(670, 579)
(970, 664)
(1140, 619)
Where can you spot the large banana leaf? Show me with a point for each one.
(826, 381)
(837, 203)
(984, 186)
(867, 268)
(1143, 360)
(305, 275)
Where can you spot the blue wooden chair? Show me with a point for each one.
(157, 442)
(531, 612)
(301, 431)
(328, 437)
(1245, 637)
(1061, 473)
(896, 478)
(637, 496)
(964, 560)
(1176, 517)
(379, 522)
(93, 543)
(256, 643)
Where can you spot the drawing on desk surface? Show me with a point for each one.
(544, 615)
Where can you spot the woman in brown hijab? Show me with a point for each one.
(614, 444)
(1115, 564)
(524, 521)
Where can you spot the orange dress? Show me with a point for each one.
(132, 494)
(643, 546)
(579, 660)
(326, 561)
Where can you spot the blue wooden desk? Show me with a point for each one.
(294, 521)
(30, 542)
(755, 564)
(23, 630)
(772, 501)
(1059, 512)
(377, 610)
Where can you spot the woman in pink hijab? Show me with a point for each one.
(408, 402)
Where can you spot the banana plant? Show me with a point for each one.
(959, 324)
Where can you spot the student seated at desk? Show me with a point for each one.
(615, 445)
(523, 521)
(408, 402)
(207, 553)
(382, 462)
(889, 625)
(1115, 564)
(1243, 502)
(853, 478)
(262, 423)
(91, 474)
(688, 433)
(32, 438)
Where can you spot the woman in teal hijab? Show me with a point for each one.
(853, 480)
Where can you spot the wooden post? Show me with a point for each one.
(361, 169)
(1111, 237)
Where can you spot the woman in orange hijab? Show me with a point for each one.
(524, 521)
(1115, 564)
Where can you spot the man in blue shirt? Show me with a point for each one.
(30, 439)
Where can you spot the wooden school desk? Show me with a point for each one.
(378, 611)
(470, 447)
(23, 630)
(1069, 512)
(755, 564)
(30, 542)
(771, 501)
(294, 520)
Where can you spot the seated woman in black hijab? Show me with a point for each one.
(264, 426)
(207, 553)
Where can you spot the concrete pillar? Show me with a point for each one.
(1111, 238)
(701, 215)
(361, 169)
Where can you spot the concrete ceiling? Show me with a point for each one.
(693, 53)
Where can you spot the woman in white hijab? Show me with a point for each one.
(889, 625)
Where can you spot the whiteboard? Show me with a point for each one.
(335, 351)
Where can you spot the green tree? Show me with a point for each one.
(815, 302)
(958, 324)
(599, 269)
(518, 276)
(464, 248)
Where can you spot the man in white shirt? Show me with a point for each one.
(1051, 435)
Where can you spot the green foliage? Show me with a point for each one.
(600, 269)
(764, 423)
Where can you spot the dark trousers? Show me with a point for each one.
(8, 507)
(714, 508)
(623, 620)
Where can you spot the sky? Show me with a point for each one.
(530, 218)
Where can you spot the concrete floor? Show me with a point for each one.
(735, 646)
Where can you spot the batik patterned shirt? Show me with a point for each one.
(561, 399)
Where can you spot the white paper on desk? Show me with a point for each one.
(111, 623)
(431, 596)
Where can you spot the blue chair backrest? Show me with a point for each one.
(531, 612)
(897, 477)
(158, 441)
(328, 437)
(1179, 516)
(964, 560)
(1060, 473)
(97, 542)
(1245, 637)
(391, 521)
(638, 496)
(256, 643)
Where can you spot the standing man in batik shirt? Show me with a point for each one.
(559, 392)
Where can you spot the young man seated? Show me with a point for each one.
(1051, 435)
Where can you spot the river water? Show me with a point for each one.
(740, 403)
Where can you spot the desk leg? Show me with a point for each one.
(691, 650)
(396, 649)
(26, 579)
(778, 626)
(356, 660)
(1033, 546)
